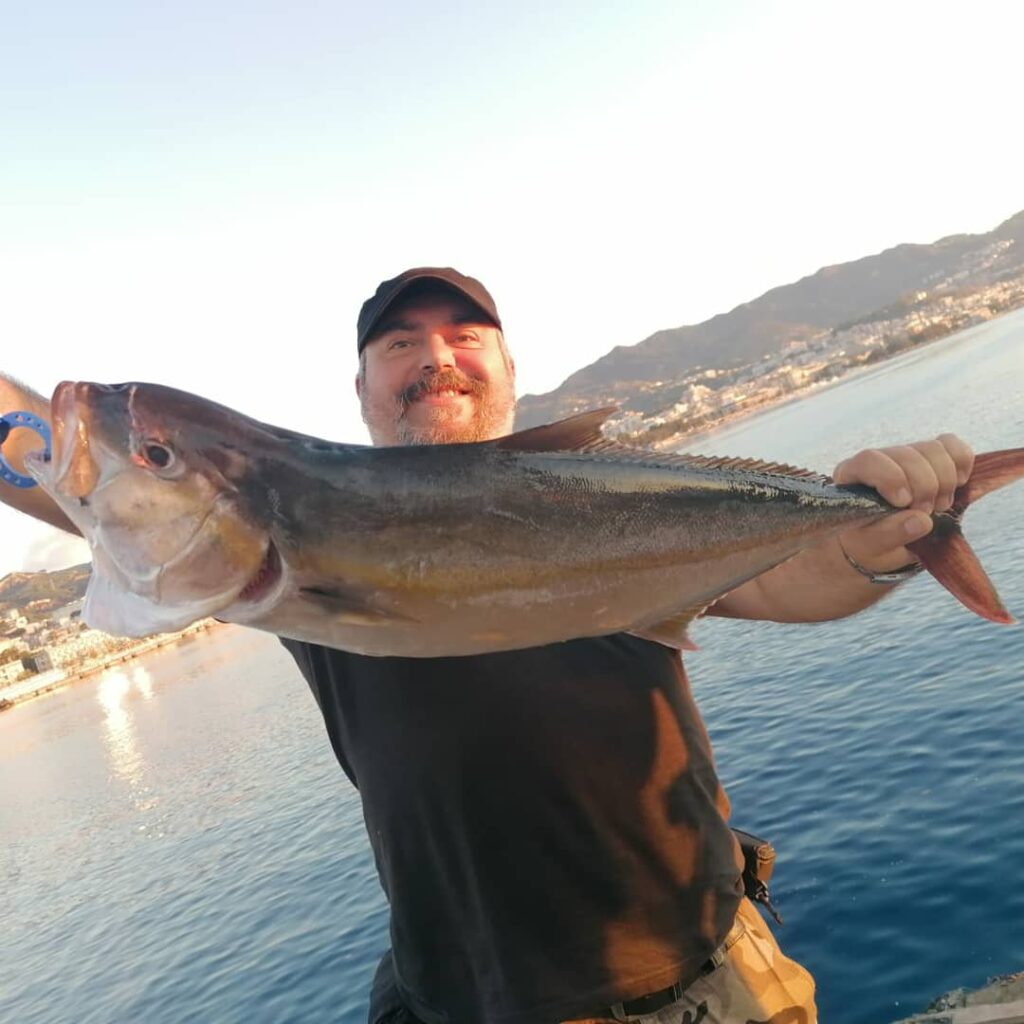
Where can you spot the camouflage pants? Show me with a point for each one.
(755, 983)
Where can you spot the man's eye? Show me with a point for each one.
(399, 343)
(467, 339)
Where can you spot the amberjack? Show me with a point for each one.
(192, 510)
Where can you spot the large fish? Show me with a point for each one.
(192, 509)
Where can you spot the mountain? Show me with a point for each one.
(829, 300)
(62, 586)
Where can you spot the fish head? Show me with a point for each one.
(151, 477)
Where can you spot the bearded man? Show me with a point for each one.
(547, 823)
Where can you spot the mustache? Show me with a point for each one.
(448, 379)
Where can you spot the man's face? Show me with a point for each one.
(436, 373)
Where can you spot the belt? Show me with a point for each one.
(655, 1001)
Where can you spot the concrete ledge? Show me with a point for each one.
(992, 1013)
(1001, 1001)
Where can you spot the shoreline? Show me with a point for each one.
(57, 679)
(676, 442)
(753, 409)
(750, 412)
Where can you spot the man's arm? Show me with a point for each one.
(15, 397)
(820, 583)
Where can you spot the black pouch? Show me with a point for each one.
(758, 863)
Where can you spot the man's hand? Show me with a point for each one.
(819, 583)
(920, 478)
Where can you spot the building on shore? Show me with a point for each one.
(38, 661)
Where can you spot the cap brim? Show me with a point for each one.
(402, 286)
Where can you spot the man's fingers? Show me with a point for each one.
(876, 468)
(923, 476)
(882, 545)
(962, 455)
(943, 464)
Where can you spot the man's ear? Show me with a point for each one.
(359, 385)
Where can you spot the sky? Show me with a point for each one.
(203, 194)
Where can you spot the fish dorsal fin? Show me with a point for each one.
(582, 433)
(575, 434)
(672, 632)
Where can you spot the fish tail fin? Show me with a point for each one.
(991, 471)
(945, 552)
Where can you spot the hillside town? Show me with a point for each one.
(712, 397)
(44, 644)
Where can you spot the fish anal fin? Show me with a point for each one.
(672, 632)
(946, 554)
(348, 605)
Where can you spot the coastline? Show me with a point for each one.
(751, 411)
(676, 442)
(52, 680)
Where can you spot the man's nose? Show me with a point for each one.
(437, 353)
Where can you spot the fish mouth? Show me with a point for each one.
(74, 467)
(267, 576)
(263, 591)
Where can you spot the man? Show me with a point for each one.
(547, 823)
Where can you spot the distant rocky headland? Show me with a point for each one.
(43, 590)
(687, 379)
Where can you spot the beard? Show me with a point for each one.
(494, 410)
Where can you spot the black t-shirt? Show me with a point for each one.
(547, 823)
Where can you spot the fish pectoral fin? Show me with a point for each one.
(672, 632)
(350, 606)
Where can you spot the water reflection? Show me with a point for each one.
(143, 680)
(114, 694)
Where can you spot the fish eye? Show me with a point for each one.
(157, 455)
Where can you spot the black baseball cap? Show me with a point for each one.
(388, 291)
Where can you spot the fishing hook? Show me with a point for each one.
(10, 420)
